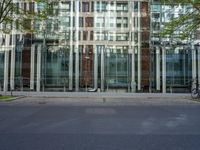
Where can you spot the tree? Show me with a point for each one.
(187, 23)
(14, 16)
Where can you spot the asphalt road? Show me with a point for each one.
(100, 127)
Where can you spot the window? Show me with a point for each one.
(122, 7)
(85, 6)
(92, 6)
(75, 35)
(17, 24)
(50, 9)
(135, 21)
(98, 7)
(27, 24)
(136, 37)
(111, 36)
(80, 21)
(155, 8)
(25, 7)
(122, 22)
(99, 21)
(125, 22)
(65, 21)
(99, 36)
(119, 22)
(156, 16)
(112, 6)
(89, 22)
(67, 36)
(122, 37)
(85, 35)
(37, 25)
(91, 35)
(17, 7)
(65, 5)
(49, 25)
(104, 6)
(156, 26)
(74, 6)
(135, 7)
(96, 36)
(31, 7)
(112, 21)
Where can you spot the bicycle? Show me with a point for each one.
(195, 92)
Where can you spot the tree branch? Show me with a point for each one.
(194, 5)
(1, 8)
(2, 17)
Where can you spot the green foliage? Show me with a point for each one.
(13, 16)
(188, 22)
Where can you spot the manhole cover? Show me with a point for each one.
(42, 103)
(100, 111)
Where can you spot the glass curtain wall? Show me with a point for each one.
(57, 68)
(54, 39)
(171, 58)
(112, 31)
(178, 68)
(18, 63)
(117, 68)
(113, 25)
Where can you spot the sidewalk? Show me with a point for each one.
(99, 99)
(99, 95)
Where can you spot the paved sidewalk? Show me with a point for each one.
(99, 99)
(99, 95)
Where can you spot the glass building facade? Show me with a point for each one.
(174, 62)
(98, 45)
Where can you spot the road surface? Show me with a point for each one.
(136, 126)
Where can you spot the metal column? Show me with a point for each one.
(71, 49)
(158, 68)
(32, 73)
(6, 64)
(163, 70)
(133, 83)
(39, 51)
(77, 46)
(132, 46)
(12, 64)
(102, 68)
(139, 48)
(6, 67)
(194, 71)
(95, 68)
(198, 60)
